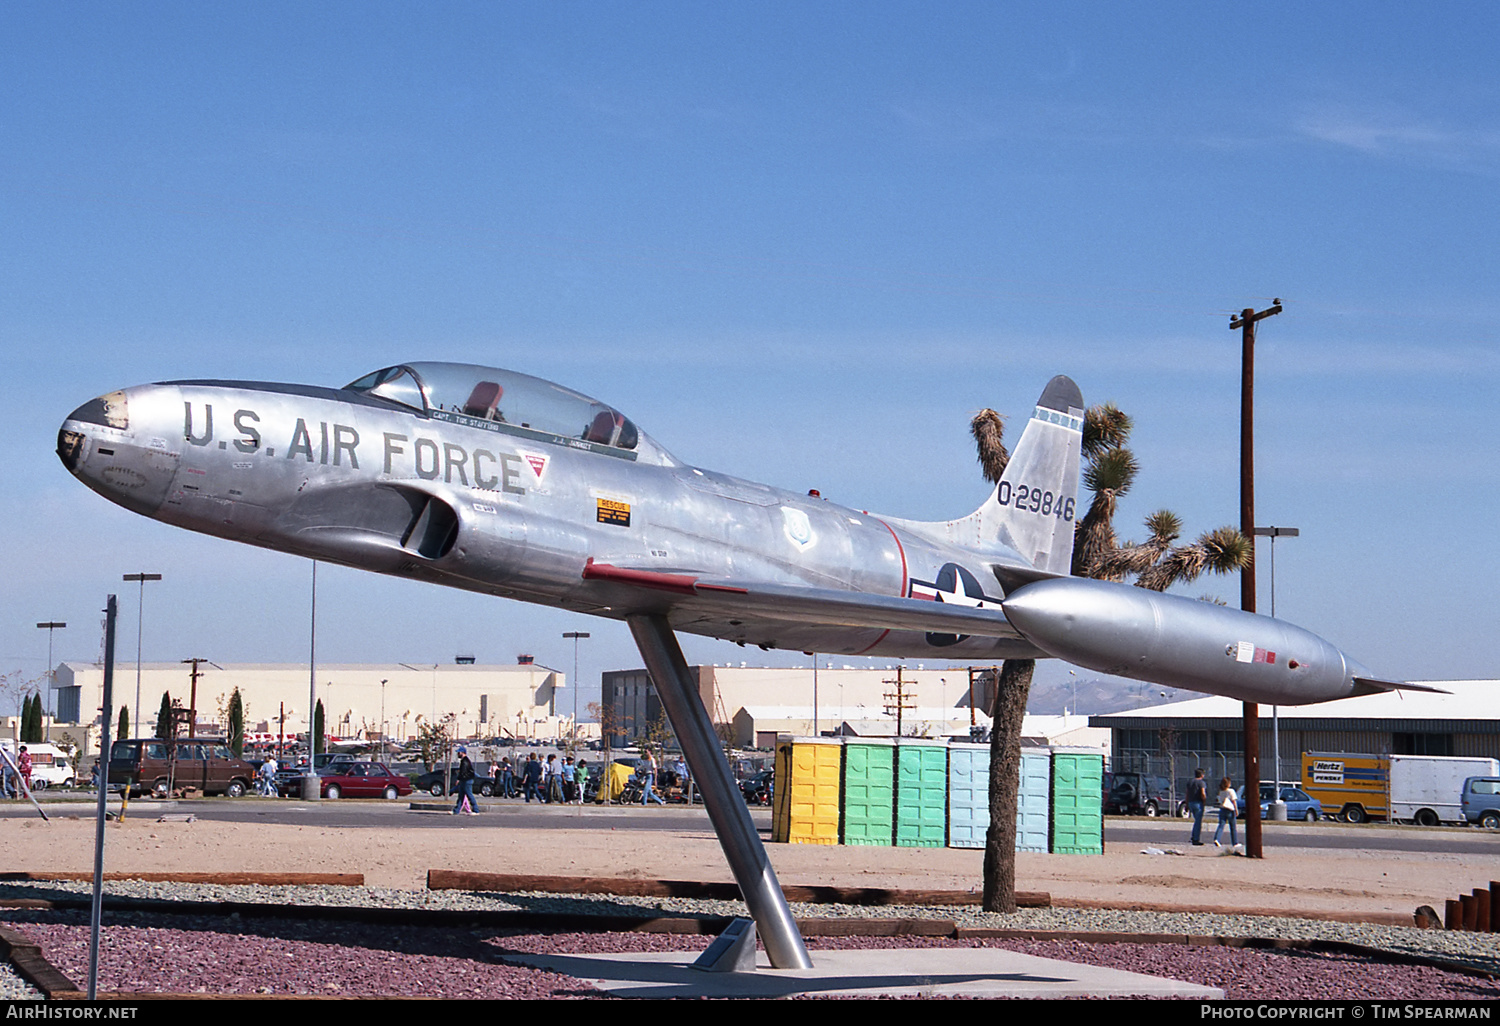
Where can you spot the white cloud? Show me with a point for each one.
(1402, 134)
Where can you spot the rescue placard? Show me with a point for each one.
(612, 511)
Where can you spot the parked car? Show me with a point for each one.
(362, 780)
(1480, 801)
(289, 774)
(203, 763)
(1299, 804)
(436, 782)
(1137, 794)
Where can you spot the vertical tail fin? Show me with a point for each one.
(1033, 508)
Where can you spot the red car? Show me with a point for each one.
(363, 780)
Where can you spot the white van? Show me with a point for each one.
(50, 766)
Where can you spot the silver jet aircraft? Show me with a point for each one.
(506, 484)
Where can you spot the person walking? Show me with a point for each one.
(1197, 798)
(531, 778)
(1229, 809)
(554, 780)
(581, 779)
(507, 778)
(464, 784)
(647, 771)
(267, 781)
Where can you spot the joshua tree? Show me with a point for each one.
(1155, 563)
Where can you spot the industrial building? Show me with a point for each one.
(360, 700)
(753, 705)
(1172, 740)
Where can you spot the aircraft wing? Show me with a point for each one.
(728, 599)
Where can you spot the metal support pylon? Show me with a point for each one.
(721, 797)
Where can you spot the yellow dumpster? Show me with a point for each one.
(805, 807)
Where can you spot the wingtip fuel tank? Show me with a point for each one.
(1180, 642)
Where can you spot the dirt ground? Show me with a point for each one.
(603, 843)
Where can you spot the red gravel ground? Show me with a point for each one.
(198, 955)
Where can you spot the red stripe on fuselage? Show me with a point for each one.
(905, 579)
(681, 584)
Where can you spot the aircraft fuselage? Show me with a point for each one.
(501, 483)
(504, 509)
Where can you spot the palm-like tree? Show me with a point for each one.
(1156, 564)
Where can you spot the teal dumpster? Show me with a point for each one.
(869, 792)
(968, 795)
(921, 794)
(1077, 808)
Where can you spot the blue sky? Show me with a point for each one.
(801, 243)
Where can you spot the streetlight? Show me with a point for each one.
(944, 682)
(815, 692)
(1273, 533)
(576, 636)
(140, 616)
(49, 627)
(383, 757)
(311, 789)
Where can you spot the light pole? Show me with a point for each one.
(1273, 533)
(815, 693)
(311, 791)
(140, 616)
(382, 720)
(49, 627)
(576, 636)
(944, 682)
(433, 722)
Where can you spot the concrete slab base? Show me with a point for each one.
(880, 972)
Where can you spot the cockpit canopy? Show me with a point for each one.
(521, 404)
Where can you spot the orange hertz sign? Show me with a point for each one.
(612, 511)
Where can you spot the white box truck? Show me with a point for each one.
(1428, 789)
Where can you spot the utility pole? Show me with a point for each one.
(1245, 324)
(982, 674)
(192, 724)
(897, 698)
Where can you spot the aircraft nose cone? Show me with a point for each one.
(110, 410)
(70, 448)
(99, 447)
(107, 411)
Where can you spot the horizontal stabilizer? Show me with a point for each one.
(1013, 577)
(732, 599)
(1371, 686)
